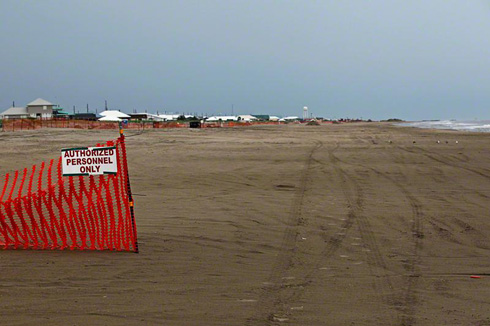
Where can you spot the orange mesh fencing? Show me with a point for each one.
(33, 124)
(42, 209)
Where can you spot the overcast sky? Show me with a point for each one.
(413, 60)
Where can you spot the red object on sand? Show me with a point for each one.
(42, 209)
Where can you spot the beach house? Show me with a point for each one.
(14, 112)
(38, 108)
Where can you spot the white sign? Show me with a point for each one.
(89, 161)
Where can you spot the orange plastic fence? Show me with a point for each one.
(32, 124)
(41, 209)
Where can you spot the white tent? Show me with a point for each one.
(247, 117)
(114, 114)
(168, 117)
(222, 118)
(293, 118)
(110, 118)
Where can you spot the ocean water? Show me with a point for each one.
(475, 125)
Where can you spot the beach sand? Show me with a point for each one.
(353, 224)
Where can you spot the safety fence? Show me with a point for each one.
(42, 209)
(33, 124)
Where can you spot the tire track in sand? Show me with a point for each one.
(377, 266)
(353, 194)
(276, 298)
(409, 299)
(272, 304)
(446, 160)
(354, 200)
(268, 306)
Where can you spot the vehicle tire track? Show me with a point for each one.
(409, 299)
(354, 197)
(354, 201)
(377, 265)
(409, 296)
(454, 165)
(268, 306)
(446, 160)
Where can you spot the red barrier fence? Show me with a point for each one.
(32, 124)
(42, 209)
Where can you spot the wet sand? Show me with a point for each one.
(355, 224)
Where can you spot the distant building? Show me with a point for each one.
(168, 117)
(84, 116)
(38, 108)
(14, 113)
(140, 116)
(146, 116)
(222, 118)
(58, 113)
(266, 117)
(263, 117)
(247, 118)
(291, 118)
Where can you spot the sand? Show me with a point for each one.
(355, 224)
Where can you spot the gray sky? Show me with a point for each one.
(372, 59)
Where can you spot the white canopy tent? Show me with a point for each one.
(247, 117)
(292, 118)
(110, 118)
(223, 118)
(168, 117)
(114, 114)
